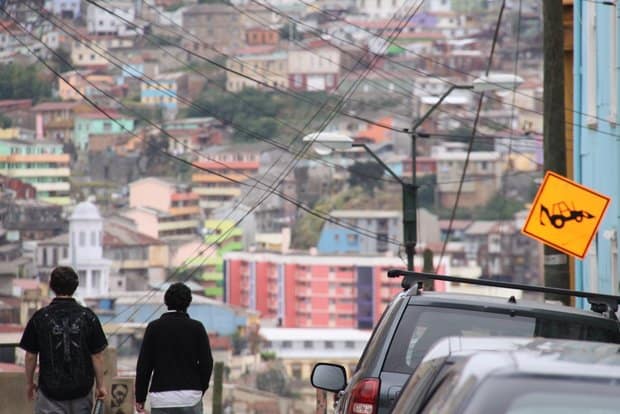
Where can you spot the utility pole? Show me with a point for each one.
(218, 380)
(555, 262)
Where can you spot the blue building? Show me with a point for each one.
(384, 229)
(144, 307)
(372, 232)
(165, 90)
(597, 135)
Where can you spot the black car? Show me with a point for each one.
(415, 320)
(514, 376)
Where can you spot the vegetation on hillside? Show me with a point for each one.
(23, 82)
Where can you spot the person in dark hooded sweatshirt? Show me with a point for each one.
(175, 358)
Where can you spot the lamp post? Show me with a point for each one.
(325, 142)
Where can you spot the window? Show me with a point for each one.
(349, 344)
(82, 239)
(308, 344)
(96, 278)
(93, 238)
(82, 278)
(329, 344)
(287, 344)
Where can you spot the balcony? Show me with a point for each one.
(303, 293)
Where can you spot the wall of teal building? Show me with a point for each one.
(597, 136)
(86, 126)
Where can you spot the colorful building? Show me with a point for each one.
(88, 83)
(93, 123)
(163, 209)
(164, 90)
(384, 227)
(266, 63)
(49, 114)
(226, 238)
(596, 129)
(236, 163)
(299, 290)
(40, 163)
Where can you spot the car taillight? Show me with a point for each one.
(364, 396)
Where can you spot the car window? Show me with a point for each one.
(439, 397)
(422, 326)
(579, 328)
(420, 385)
(380, 333)
(549, 394)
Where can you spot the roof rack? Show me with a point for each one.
(599, 302)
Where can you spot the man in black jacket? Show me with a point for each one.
(176, 352)
(68, 341)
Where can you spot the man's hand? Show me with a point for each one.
(31, 390)
(100, 392)
(140, 407)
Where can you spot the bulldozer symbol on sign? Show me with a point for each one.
(561, 213)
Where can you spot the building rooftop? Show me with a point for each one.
(85, 211)
(116, 235)
(55, 106)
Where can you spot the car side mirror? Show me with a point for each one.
(329, 377)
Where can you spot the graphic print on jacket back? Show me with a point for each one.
(69, 365)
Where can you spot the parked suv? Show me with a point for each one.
(514, 376)
(415, 320)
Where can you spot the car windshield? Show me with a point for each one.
(549, 395)
(422, 326)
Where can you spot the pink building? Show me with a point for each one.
(311, 291)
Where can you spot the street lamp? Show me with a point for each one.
(325, 143)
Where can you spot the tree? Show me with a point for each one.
(23, 82)
(254, 113)
(61, 60)
(366, 175)
(499, 208)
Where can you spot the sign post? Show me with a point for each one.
(565, 215)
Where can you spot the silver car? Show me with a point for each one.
(514, 376)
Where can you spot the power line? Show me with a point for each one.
(420, 4)
(151, 81)
(270, 86)
(258, 81)
(456, 70)
(471, 140)
(114, 120)
(283, 174)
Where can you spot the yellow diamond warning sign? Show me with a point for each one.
(565, 215)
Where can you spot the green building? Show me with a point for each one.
(98, 123)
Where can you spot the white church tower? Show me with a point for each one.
(86, 251)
